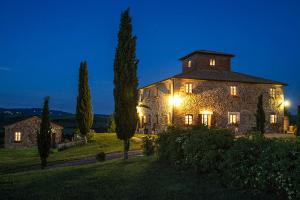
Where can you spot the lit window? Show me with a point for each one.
(189, 63)
(17, 136)
(204, 119)
(273, 119)
(233, 91)
(212, 62)
(272, 92)
(189, 88)
(233, 117)
(188, 120)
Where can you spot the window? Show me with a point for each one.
(233, 91)
(273, 119)
(189, 63)
(189, 88)
(188, 120)
(233, 117)
(212, 62)
(17, 136)
(272, 92)
(149, 119)
(204, 119)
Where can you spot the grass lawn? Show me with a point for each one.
(137, 178)
(15, 159)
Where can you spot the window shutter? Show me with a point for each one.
(200, 119)
(212, 119)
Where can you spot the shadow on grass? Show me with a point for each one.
(137, 178)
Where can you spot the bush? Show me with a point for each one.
(148, 145)
(265, 165)
(100, 156)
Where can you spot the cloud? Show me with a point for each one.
(5, 69)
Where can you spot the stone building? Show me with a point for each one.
(208, 92)
(23, 133)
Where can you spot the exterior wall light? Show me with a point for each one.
(175, 100)
(287, 103)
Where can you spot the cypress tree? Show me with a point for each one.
(298, 122)
(84, 112)
(111, 124)
(260, 116)
(44, 135)
(125, 82)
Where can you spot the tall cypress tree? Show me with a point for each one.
(125, 82)
(84, 111)
(260, 115)
(298, 122)
(44, 135)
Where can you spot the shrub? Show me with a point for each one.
(100, 156)
(204, 150)
(148, 145)
(265, 165)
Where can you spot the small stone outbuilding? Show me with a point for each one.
(23, 133)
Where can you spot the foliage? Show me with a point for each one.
(148, 145)
(260, 115)
(298, 122)
(265, 165)
(111, 124)
(100, 156)
(125, 82)
(44, 135)
(84, 112)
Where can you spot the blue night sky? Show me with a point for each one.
(43, 42)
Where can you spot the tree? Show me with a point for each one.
(112, 124)
(260, 116)
(84, 112)
(298, 121)
(44, 135)
(125, 82)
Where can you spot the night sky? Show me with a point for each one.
(43, 42)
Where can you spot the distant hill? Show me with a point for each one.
(29, 112)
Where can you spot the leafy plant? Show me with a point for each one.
(148, 145)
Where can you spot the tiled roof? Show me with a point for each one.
(220, 75)
(54, 125)
(207, 52)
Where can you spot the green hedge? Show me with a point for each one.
(255, 162)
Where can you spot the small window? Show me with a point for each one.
(212, 62)
(189, 88)
(189, 63)
(272, 92)
(149, 119)
(204, 119)
(149, 93)
(233, 117)
(188, 120)
(273, 119)
(233, 91)
(17, 136)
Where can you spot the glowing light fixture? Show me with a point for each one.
(175, 100)
(287, 103)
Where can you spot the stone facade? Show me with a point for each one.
(27, 130)
(209, 101)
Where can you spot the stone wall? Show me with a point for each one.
(202, 61)
(28, 129)
(213, 97)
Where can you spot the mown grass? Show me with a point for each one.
(18, 159)
(137, 178)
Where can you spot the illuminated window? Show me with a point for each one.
(273, 119)
(189, 88)
(212, 62)
(233, 117)
(189, 63)
(272, 92)
(17, 136)
(188, 120)
(204, 119)
(233, 91)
